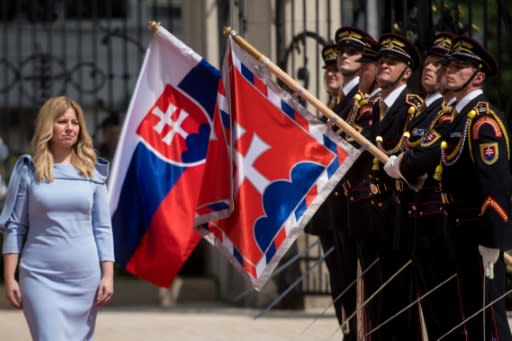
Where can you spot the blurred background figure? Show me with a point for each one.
(4, 155)
(109, 131)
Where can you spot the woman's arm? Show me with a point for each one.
(15, 228)
(102, 228)
(12, 288)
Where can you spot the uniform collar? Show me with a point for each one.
(468, 98)
(432, 98)
(350, 85)
(392, 97)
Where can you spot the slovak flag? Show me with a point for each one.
(171, 137)
(285, 164)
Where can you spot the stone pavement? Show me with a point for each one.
(194, 322)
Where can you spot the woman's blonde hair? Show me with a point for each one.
(83, 156)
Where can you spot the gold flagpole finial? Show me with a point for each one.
(227, 30)
(153, 25)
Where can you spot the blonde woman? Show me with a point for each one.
(56, 223)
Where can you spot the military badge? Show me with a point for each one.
(418, 132)
(429, 138)
(489, 152)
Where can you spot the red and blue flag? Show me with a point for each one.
(171, 138)
(285, 164)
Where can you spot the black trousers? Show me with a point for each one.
(469, 267)
(362, 235)
(395, 250)
(434, 262)
(346, 261)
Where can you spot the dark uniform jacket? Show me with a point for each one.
(476, 177)
(411, 200)
(423, 160)
(391, 129)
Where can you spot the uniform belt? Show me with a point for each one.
(447, 198)
(401, 186)
(346, 187)
(378, 188)
(467, 200)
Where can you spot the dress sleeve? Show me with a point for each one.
(16, 224)
(102, 224)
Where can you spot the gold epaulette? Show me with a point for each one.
(416, 104)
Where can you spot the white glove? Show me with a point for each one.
(489, 258)
(392, 166)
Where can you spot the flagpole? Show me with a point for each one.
(292, 84)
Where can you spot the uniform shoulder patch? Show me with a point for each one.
(489, 153)
(486, 121)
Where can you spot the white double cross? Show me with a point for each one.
(166, 120)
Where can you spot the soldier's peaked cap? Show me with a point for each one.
(329, 53)
(467, 49)
(443, 42)
(350, 36)
(397, 46)
(371, 50)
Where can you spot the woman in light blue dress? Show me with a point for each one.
(56, 222)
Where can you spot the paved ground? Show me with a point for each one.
(185, 323)
(191, 323)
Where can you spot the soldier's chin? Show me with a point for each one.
(385, 83)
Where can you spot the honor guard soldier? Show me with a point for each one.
(393, 113)
(322, 224)
(356, 184)
(474, 171)
(333, 79)
(422, 209)
(350, 42)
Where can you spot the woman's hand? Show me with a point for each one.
(106, 287)
(105, 290)
(13, 293)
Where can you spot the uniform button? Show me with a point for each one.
(409, 212)
(337, 194)
(379, 204)
(421, 213)
(457, 220)
(352, 198)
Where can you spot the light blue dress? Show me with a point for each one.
(63, 231)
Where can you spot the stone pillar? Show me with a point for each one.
(200, 28)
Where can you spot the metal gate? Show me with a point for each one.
(89, 50)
